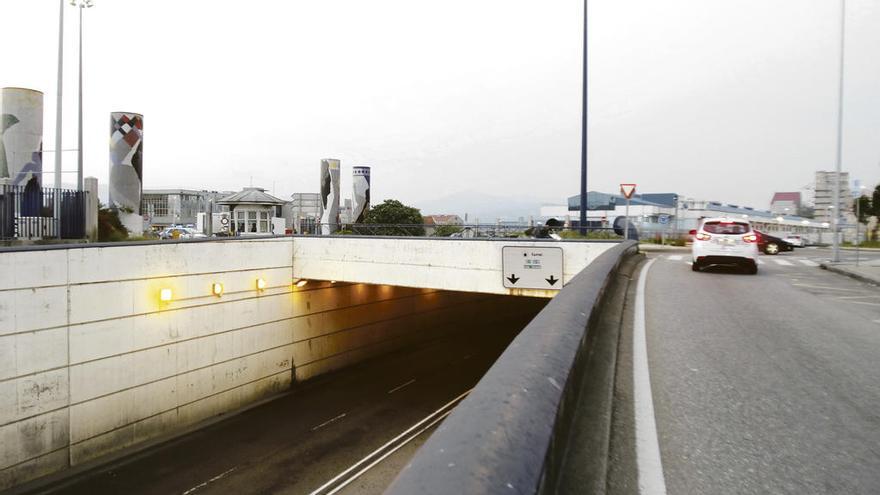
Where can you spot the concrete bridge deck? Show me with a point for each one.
(94, 362)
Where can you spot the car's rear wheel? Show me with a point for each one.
(695, 267)
(772, 248)
(752, 269)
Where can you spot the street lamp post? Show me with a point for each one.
(583, 205)
(58, 105)
(82, 4)
(835, 223)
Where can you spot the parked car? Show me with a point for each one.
(180, 233)
(772, 245)
(726, 242)
(795, 240)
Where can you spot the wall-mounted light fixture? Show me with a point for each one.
(217, 289)
(165, 295)
(261, 284)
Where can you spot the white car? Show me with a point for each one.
(725, 241)
(190, 233)
(795, 240)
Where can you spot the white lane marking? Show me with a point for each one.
(760, 262)
(395, 389)
(325, 423)
(857, 297)
(391, 442)
(648, 462)
(809, 262)
(862, 302)
(876, 321)
(215, 478)
(675, 257)
(783, 262)
(808, 286)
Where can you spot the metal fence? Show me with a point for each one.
(467, 231)
(28, 212)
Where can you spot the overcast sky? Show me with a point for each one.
(715, 99)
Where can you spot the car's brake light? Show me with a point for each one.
(702, 236)
(750, 238)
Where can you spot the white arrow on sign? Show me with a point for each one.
(531, 267)
(627, 190)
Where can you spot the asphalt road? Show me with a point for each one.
(296, 443)
(765, 383)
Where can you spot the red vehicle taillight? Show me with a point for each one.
(702, 236)
(750, 238)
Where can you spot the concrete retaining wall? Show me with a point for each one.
(92, 362)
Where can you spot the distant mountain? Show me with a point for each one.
(485, 207)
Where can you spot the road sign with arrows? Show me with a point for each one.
(531, 267)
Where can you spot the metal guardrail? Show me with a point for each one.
(507, 435)
(466, 231)
(30, 213)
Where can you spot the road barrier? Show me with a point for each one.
(510, 435)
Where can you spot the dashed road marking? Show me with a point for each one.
(809, 262)
(675, 257)
(395, 389)
(783, 262)
(206, 483)
(325, 423)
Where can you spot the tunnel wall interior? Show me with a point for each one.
(93, 363)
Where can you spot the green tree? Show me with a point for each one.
(447, 230)
(110, 229)
(395, 218)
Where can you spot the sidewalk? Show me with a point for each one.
(867, 271)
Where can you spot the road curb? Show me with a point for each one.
(849, 273)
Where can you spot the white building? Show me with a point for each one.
(254, 212)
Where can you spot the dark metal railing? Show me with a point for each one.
(29, 212)
(502, 230)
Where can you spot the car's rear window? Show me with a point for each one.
(726, 227)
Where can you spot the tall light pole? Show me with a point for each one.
(82, 4)
(583, 205)
(835, 223)
(58, 96)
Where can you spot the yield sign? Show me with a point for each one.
(627, 190)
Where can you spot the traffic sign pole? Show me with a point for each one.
(627, 190)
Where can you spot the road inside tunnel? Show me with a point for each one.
(307, 437)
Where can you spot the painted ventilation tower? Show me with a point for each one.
(329, 196)
(21, 144)
(126, 168)
(21, 136)
(360, 180)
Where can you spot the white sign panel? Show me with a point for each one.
(531, 267)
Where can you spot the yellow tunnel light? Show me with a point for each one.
(217, 289)
(261, 284)
(302, 283)
(165, 295)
